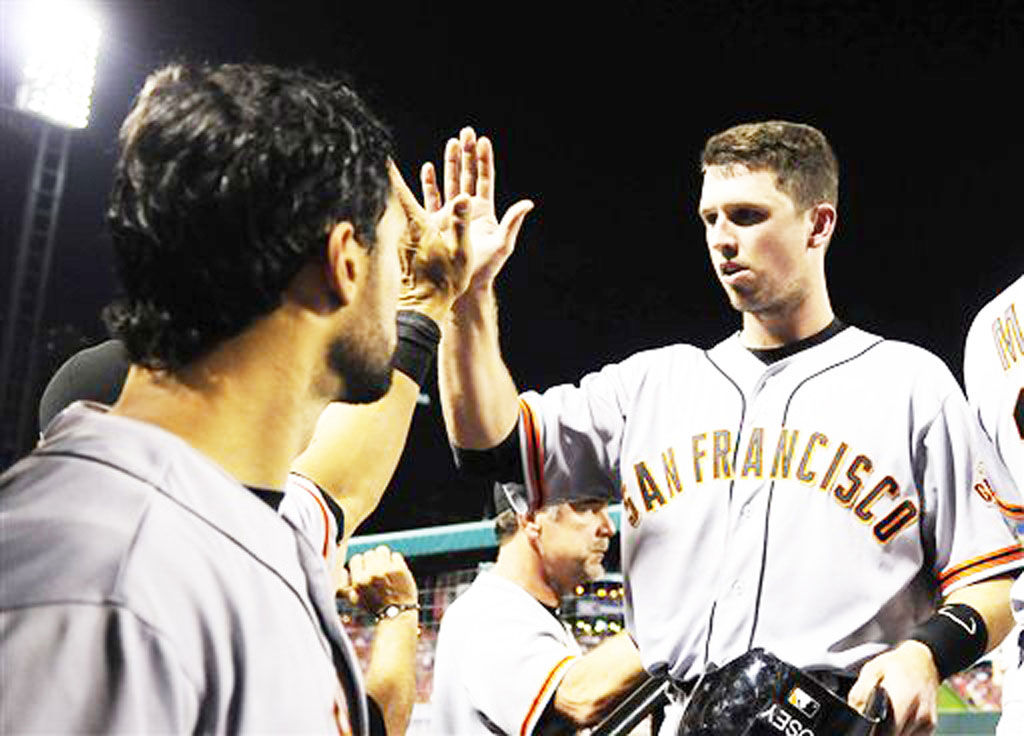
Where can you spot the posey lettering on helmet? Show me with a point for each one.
(784, 723)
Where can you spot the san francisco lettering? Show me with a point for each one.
(848, 477)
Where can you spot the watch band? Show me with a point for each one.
(392, 610)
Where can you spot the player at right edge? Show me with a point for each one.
(804, 486)
(994, 377)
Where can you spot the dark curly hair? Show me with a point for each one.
(229, 179)
(800, 156)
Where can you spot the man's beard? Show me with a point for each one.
(364, 369)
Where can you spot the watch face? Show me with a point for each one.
(392, 611)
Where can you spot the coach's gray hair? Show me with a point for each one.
(506, 524)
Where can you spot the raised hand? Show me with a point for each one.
(435, 251)
(469, 171)
(377, 578)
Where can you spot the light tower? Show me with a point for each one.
(61, 43)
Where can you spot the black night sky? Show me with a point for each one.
(598, 112)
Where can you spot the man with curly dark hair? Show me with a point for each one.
(264, 241)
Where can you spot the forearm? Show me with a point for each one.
(991, 599)
(356, 448)
(391, 674)
(479, 400)
(599, 680)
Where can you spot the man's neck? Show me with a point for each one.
(518, 563)
(772, 329)
(247, 406)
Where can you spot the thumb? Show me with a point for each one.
(863, 688)
(513, 221)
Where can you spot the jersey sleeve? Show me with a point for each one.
(533, 661)
(570, 435)
(89, 668)
(311, 511)
(973, 501)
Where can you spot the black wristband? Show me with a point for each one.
(418, 336)
(957, 636)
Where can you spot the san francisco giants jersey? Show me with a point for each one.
(146, 590)
(816, 506)
(500, 657)
(994, 376)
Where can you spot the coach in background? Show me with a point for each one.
(800, 456)
(994, 377)
(505, 662)
(260, 242)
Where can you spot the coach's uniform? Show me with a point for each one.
(189, 603)
(496, 622)
(994, 376)
(816, 506)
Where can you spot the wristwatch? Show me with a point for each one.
(393, 610)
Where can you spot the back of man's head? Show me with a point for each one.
(228, 181)
(799, 155)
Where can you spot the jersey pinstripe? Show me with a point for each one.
(816, 506)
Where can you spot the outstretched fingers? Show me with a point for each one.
(452, 168)
(485, 183)
(428, 183)
(467, 143)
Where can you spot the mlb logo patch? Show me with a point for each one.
(803, 702)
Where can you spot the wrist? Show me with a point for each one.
(392, 611)
(956, 636)
(475, 306)
(436, 309)
(418, 338)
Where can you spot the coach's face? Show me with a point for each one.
(758, 239)
(575, 537)
(362, 356)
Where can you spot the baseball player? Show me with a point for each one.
(800, 459)
(145, 588)
(994, 376)
(505, 662)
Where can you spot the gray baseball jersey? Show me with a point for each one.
(500, 657)
(994, 376)
(816, 506)
(146, 590)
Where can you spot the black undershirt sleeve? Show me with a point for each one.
(499, 463)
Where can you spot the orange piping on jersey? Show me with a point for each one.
(534, 452)
(970, 567)
(304, 483)
(541, 699)
(1010, 510)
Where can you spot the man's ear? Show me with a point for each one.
(346, 259)
(823, 224)
(530, 525)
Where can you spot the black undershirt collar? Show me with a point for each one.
(773, 355)
(268, 495)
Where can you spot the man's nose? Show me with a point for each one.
(722, 239)
(607, 525)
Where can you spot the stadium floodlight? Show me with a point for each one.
(61, 41)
